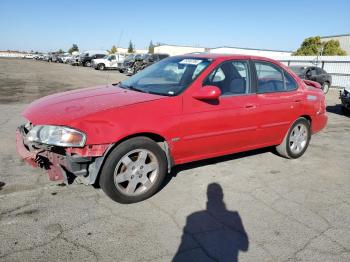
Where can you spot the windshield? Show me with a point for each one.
(168, 77)
(298, 69)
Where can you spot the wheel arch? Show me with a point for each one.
(160, 140)
(307, 117)
(101, 63)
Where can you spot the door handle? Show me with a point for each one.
(250, 106)
(297, 100)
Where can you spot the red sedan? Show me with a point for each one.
(128, 136)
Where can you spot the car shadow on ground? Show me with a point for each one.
(336, 109)
(213, 234)
(211, 161)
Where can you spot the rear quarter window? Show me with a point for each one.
(290, 83)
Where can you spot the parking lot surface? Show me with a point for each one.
(253, 206)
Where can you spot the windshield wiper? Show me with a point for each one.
(136, 89)
(140, 90)
(131, 88)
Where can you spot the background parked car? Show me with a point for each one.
(113, 61)
(46, 57)
(345, 99)
(130, 70)
(147, 60)
(86, 57)
(29, 56)
(63, 58)
(314, 73)
(74, 60)
(54, 58)
(128, 62)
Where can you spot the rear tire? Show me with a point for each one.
(296, 140)
(87, 64)
(134, 170)
(325, 87)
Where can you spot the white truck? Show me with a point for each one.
(113, 61)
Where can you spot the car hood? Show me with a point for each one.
(62, 108)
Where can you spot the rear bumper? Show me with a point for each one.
(60, 164)
(319, 122)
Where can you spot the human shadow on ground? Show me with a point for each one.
(213, 234)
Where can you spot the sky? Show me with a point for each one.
(49, 25)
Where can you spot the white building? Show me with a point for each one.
(177, 49)
(344, 41)
(12, 54)
(137, 51)
(250, 51)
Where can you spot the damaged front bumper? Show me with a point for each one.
(63, 164)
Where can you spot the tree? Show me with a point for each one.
(151, 48)
(113, 50)
(131, 47)
(310, 46)
(74, 48)
(314, 46)
(332, 47)
(60, 51)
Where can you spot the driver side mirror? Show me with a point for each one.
(207, 93)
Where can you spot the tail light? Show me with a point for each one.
(322, 106)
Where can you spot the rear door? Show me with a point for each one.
(278, 99)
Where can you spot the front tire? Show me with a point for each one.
(134, 170)
(87, 64)
(296, 140)
(101, 67)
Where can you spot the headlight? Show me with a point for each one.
(57, 136)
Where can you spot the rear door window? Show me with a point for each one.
(272, 78)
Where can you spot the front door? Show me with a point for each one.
(212, 128)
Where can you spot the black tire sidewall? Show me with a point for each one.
(107, 174)
(101, 66)
(307, 125)
(323, 87)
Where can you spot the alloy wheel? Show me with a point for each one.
(298, 138)
(136, 172)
